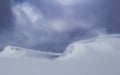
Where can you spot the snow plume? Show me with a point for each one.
(54, 24)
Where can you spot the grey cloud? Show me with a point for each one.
(44, 24)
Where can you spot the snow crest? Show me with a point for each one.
(11, 51)
(101, 44)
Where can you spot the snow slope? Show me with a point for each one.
(16, 52)
(97, 56)
(101, 44)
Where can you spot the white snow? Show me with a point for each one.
(12, 52)
(97, 56)
(100, 44)
(17, 52)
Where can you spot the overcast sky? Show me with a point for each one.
(53, 24)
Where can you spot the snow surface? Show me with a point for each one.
(97, 56)
(100, 44)
(12, 51)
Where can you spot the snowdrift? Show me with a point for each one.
(101, 44)
(16, 52)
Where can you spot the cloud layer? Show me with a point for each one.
(52, 25)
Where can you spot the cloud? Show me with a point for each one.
(44, 24)
(40, 31)
(73, 2)
(5, 11)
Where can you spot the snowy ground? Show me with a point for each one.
(97, 56)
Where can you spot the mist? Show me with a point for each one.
(51, 25)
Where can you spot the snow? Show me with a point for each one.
(96, 56)
(100, 44)
(12, 52)
(16, 52)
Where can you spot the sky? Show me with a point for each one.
(53, 24)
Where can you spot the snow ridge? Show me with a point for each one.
(100, 44)
(12, 51)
